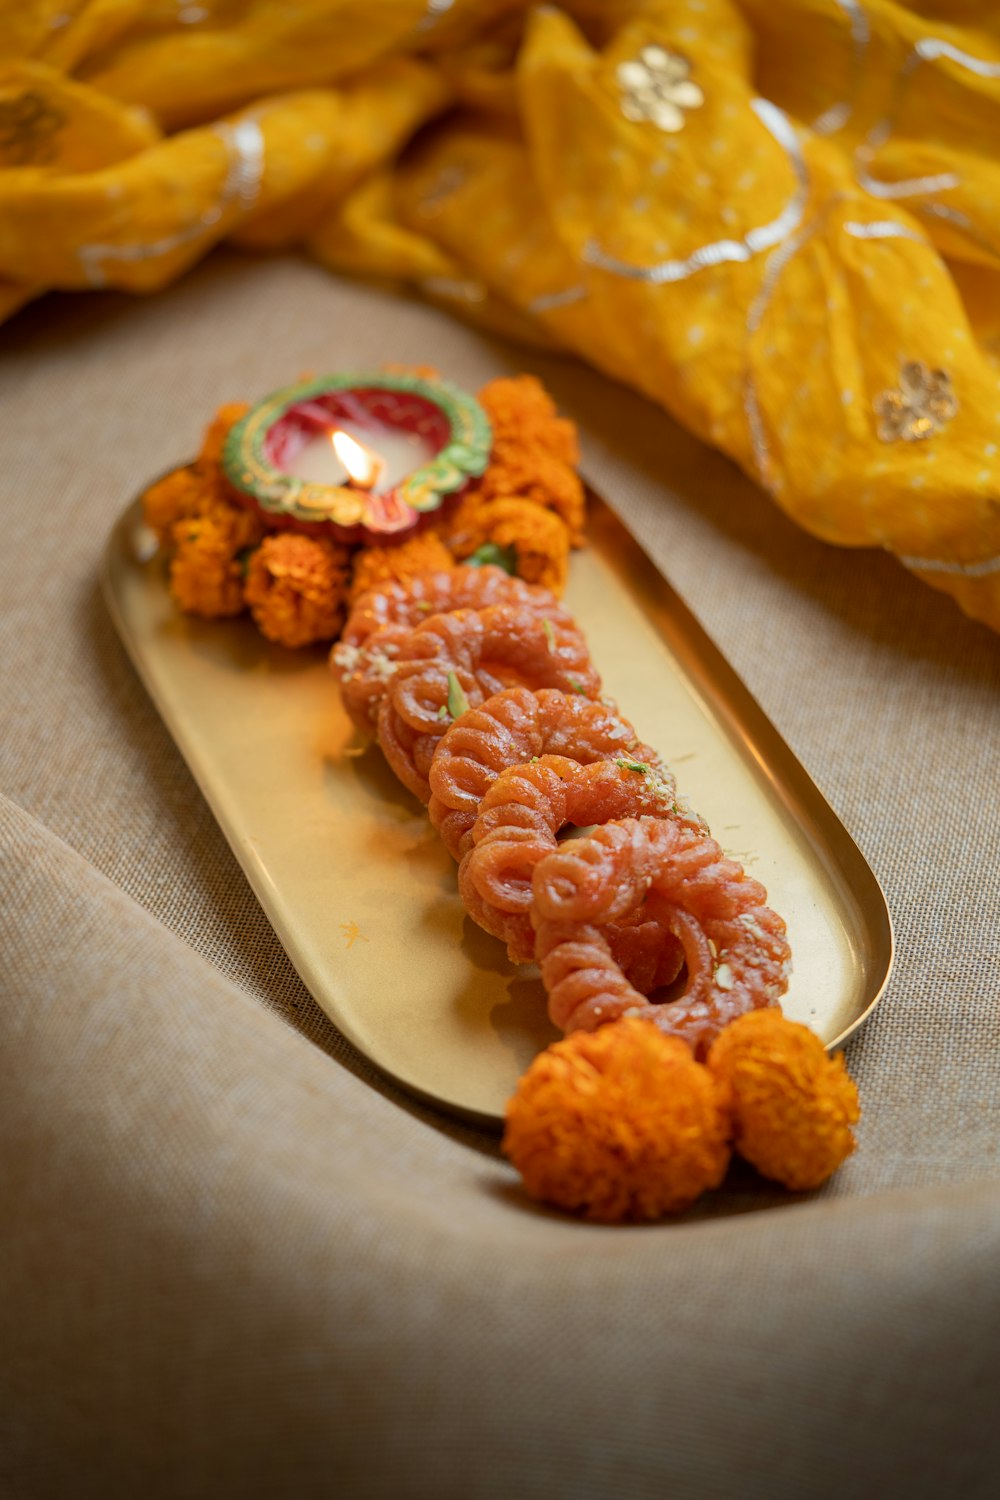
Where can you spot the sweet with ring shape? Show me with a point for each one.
(735, 949)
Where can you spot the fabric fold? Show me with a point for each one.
(778, 221)
(231, 1267)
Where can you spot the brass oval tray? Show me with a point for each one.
(363, 895)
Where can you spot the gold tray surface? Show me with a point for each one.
(361, 892)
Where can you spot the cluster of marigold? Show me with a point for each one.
(482, 695)
(528, 508)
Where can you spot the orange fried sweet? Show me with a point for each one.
(646, 951)
(296, 587)
(735, 950)
(508, 730)
(434, 592)
(618, 1124)
(793, 1105)
(455, 661)
(519, 820)
(365, 657)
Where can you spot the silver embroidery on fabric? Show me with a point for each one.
(907, 187)
(435, 10)
(882, 229)
(837, 116)
(966, 570)
(549, 301)
(449, 286)
(929, 49)
(763, 237)
(751, 404)
(244, 143)
(962, 222)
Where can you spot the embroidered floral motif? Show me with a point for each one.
(28, 125)
(918, 407)
(657, 86)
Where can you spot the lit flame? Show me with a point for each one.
(362, 464)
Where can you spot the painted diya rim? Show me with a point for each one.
(451, 420)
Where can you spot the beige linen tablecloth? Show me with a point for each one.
(237, 1263)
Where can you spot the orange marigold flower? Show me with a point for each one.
(537, 538)
(214, 440)
(206, 577)
(523, 472)
(521, 411)
(534, 451)
(187, 493)
(178, 495)
(619, 1123)
(296, 588)
(373, 566)
(243, 525)
(793, 1104)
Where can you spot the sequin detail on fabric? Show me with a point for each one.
(918, 407)
(657, 87)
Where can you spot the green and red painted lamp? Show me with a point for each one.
(357, 455)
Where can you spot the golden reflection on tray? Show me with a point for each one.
(363, 895)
